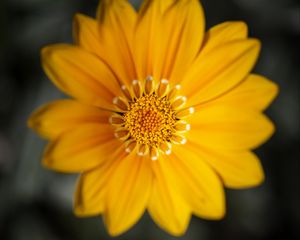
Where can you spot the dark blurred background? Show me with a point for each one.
(36, 204)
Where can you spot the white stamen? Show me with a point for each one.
(115, 100)
(188, 127)
(191, 110)
(177, 86)
(127, 150)
(149, 78)
(164, 81)
(134, 82)
(183, 141)
(140, 153)
(110, 120)
(168, 152)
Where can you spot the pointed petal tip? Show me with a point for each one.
(239, 25)
(274, 89)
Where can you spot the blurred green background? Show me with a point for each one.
(36, 204)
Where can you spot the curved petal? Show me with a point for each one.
(255, 92)
(199, 183)
(80, 74)
(116, 22)
(184, 25)
(224, 127)
(55, 118)
(148, 39)
(220, 70)
(92, 186)
(167, 205)
(86, 34)
(237, 169)
(127, 193)
(81, 149)
(166, 28)
(222, 33)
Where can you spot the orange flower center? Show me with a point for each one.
(150, 120)
(150, 117)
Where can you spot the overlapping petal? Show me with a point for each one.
(224, 127)
(223, 33)
(55, 118)
(116, 23)
(237, 169)
(81, 149)
(219, 70)
(80, 74)
(86, 35)
(167, 205)
(165, 28)
(91, 189)
(149, 56)
(184, 25)
(128, 192)
(198, 183)
(255, 92)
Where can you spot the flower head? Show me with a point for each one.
(162, 115)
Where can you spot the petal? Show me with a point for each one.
(116, 22)
(199, 183)
(86, 34)
(128, 192)
(171, 33)
(220, 70)
(148, 39)
(167, 205)
(224, 127)
(80, 74)
(222, 33)
(81, 149)
(237, 169)
(92, 186)
(55, 118)
(184, 25)
(255, 92)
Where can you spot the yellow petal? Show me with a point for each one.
(237, 169)
(116, 20)
(222, 33)
(81, 149)
(55, 118)
(224, 127)
(220, 70)
(165, 29)
(92, 186)
(86, 34)
(148, 39)
(184, 25)
(80, 74)
(255, 92)
(167, 205)
(200, 185)
(127, 193)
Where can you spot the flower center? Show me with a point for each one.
(150, 117)
(150, 120)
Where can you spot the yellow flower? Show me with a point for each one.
(163, 114)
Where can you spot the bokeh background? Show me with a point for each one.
(36, 204)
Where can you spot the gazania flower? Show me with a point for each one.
(162, 115)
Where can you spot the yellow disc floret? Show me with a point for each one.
(150, 117)
(150, 120)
